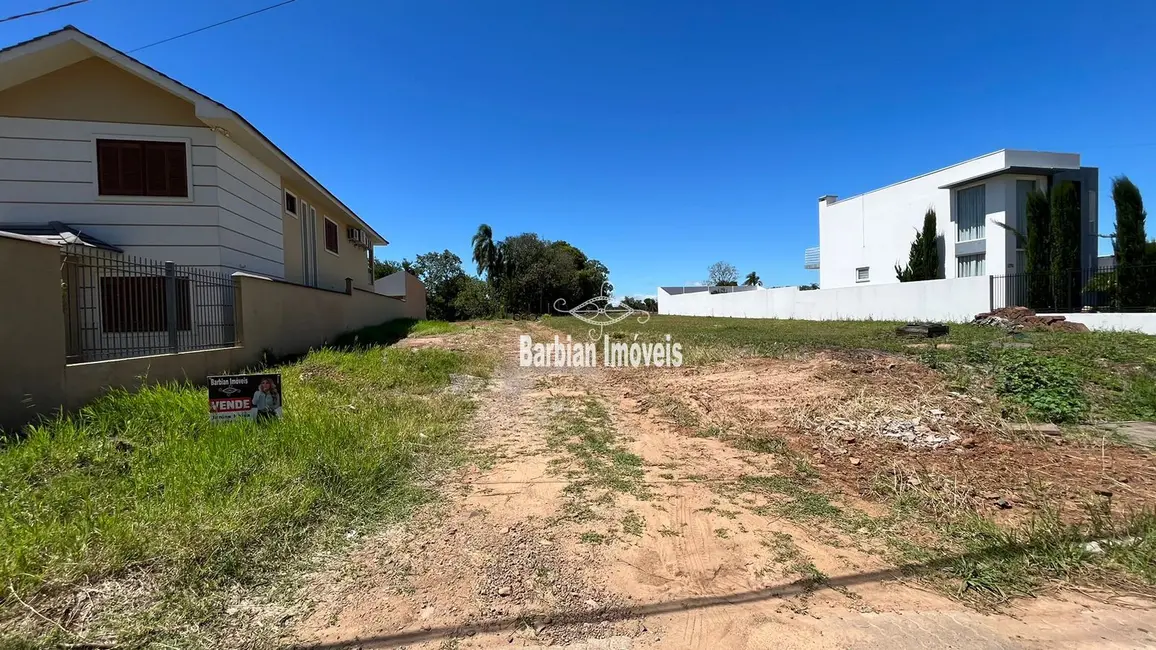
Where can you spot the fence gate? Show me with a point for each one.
(118, 306)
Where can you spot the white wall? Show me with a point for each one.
(251, 219)
(956, 300)
(876, 229)
(231, 221)
(1144, 323)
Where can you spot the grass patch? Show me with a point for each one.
(583, 428)
(633, 524)
(591, 537)
(987, 564)
(799, 503)
(392, 332)
(667, 531)
(144, 482)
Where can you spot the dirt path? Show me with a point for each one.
(600, 524)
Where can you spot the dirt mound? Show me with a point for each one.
(1018, 319)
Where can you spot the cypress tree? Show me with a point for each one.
(1065, 246)
(1130, 243)
(1039, 221)
(923, 257)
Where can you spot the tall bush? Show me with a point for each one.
(1038, 252)
(1130, 244)
(1065, 246)
(923, 258)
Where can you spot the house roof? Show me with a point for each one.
(44, 54)
(1006, 169)
(57, 233)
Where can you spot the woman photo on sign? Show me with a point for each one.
(267, 401)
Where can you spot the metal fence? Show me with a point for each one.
(118, 306)
(1111, 289)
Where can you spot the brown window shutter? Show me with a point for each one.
(108, 167)
(178, 180)
(132, 169)
(156, 176)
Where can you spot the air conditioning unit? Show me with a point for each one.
(357, 236)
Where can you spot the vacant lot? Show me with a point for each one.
(806, 485)
(819, 485)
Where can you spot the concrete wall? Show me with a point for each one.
(272, 315)
(875, 229)
(31, 329)
(286, 318)
(1143, 323)
(956, 300)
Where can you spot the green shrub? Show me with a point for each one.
(1050, 387)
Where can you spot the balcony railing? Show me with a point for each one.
(811, 258)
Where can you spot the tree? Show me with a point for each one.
(382, 268)
(440, 273)
(1130, 244)
(472, 299)
(753, 280)
(1039, 222)
(923, 257)
(809, 287)
(1064, 235)
(485, 252)
(723, 274)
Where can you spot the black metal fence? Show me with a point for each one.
(118, 306)
(1114, 289)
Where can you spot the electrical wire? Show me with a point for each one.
(42, 11)
(208, 27)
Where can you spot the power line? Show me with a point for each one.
(43, 11)
(207, 27)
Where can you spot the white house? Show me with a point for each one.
(862, 238)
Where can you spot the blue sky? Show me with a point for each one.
(657, 136)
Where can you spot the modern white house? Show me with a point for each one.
(863, 237)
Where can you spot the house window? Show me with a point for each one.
(141, 168)
(970, 266)
(863, 274)
(970, 213)
(330, 236)
(290, 203)
(138, 304)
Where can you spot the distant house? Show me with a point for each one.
(862, 238)
(98, 144)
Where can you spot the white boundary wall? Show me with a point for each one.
(1143, 323)
(956, 300)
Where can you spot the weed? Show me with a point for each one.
(1050, 387)
(667, 531)
(633, 524)
(722, 533)
(591, 537)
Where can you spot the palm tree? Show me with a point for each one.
(485, 253)
(752, 280)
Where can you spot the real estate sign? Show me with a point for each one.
(255, 397)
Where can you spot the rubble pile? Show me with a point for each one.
(913, 432)
(1020, 319)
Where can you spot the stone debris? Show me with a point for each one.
(1021, 319)
(930, 432)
